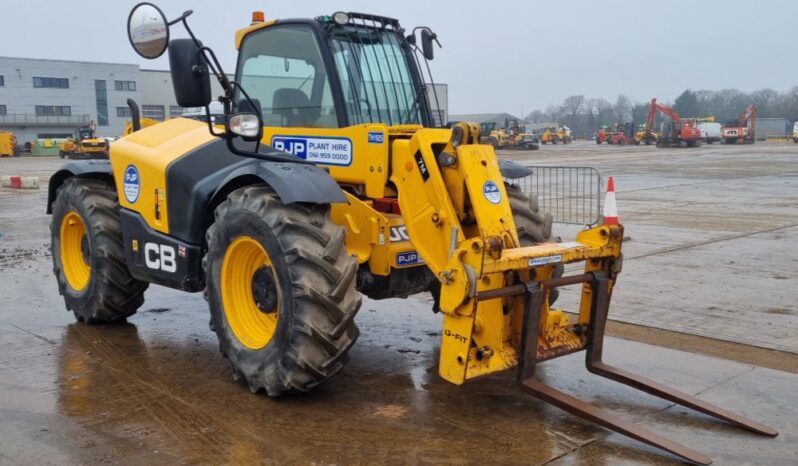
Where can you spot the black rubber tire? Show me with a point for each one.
(493, 142)
(112, 294)
(533, 227)
(316, 279)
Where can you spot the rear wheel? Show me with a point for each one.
(88, 256)
(281, 289)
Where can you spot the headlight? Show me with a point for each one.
(246, 125)
(340, 18)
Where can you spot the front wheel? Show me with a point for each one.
(533, 227)
(88, 255)
(281, 289)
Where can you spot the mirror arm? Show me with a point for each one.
(210, 124)
(216, 68)
(182, 17)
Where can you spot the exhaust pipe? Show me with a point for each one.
(135, 114)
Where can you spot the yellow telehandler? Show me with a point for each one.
(324, 181)
(84, 145)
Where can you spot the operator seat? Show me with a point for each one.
(294, 107)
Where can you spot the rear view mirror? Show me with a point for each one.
(190, 77)
(148, 30)
(427, 37)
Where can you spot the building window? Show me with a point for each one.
(58, 83)
(156, 112)
(123, 112)
(175, 111)
(53, 110)
(2, 80)
(3, 110)
(125, 85)
(54, 135)
(101, 95)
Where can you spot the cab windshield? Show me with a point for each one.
(375, 76)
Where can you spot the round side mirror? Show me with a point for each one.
(148, 30)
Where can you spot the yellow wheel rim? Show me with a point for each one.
(253, 327)
(74, 251)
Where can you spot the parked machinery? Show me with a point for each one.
(284, 214)
(84, 145)
(642, 135)
(795, 132)
(511, 136)
(604, 134)
(8, 144)
(678, 132)
(710, 129)
(624, 134)
(742, 130)
(556, 135)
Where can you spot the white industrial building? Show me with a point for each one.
(42, 98)
(52, 98)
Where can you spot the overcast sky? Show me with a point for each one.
(497, 56)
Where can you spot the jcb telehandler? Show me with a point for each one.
(324, 181)
(85, 145)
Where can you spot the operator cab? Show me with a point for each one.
(329, 72)
(352, 70)
(85, 133)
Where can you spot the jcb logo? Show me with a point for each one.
(160, 257)
(399, 233)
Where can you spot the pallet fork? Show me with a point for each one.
(597, 282)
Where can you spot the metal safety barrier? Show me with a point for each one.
(571, 194)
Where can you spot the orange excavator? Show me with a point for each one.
(742, 130)
(679, 132)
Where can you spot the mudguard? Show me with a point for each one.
(293, 182)
(513, 170)
(86, 168)
(198, 182)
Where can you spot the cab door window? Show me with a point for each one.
(282, 69)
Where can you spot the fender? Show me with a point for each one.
(513, 170)
(100, 169)
(198, 181)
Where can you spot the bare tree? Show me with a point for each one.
(555, 113)
(572, 105)
(536, 116)
(622, 109)
(766, 101)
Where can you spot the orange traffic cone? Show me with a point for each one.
(610, 208)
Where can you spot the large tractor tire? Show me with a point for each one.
(493, 142)
(88, 253)
(281, 289)
(532, 226)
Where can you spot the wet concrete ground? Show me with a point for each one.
(714, 236)
(155, 390)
